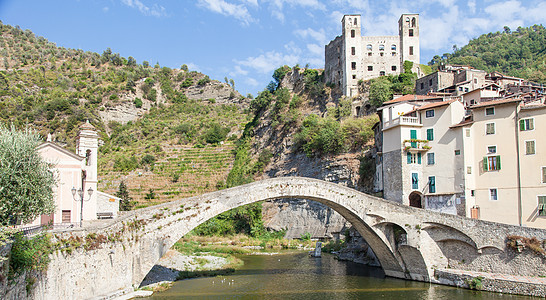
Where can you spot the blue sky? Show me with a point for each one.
(248, 39)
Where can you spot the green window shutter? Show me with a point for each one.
(521, 125)
(432, 184)
(498, 162)
(409, 158)
(419, 158)
(542, 205)
(531, 124)
(485, 164)
(413, 136)
(430, 134)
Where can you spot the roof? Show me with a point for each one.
(466, 121)
(410, 97)
(533, 106)
(495, 102)
(436, 104)
(60, 149)
(87, 125)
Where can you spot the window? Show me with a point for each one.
(529, 147)
(354, 76)
(429, 113)
(467, 132)
(472, 102)
(369, 54)
(394, 54)
(370, 68)
(393, 47)
(393, 68)
(353, 50)
(414, 181)
(411, 32)
(353, 65)
(381, 47)
(430, 82)
(413, 136)
(526, 124)
(422, 86)
(491, 149)
(461, 88)
(466, 89)
(88, 157)
(475, 80)
(414, 158)
(382, 73)
(542, 205)
(490, 128)
(468, 170)
(66, 216)
(493, 194)
(430, 158)
(491, 163)
(352, 33)
(543, 174)
(490, 111)
(356, 23)
(432, 184)
(457, 152)
(381, 54)
(430, 134)
(411, 50)
(413, 22)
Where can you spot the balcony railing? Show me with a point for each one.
(412, 121)
(415, 145)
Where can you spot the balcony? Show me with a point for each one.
(415, 145)
(402, 120)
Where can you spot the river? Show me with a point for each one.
(295, 275)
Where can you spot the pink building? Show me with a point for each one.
(77, 175)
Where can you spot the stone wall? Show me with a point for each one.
(392, 178)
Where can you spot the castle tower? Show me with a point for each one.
(408, 26)
(87, 146)
(351, 54)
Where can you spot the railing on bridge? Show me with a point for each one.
(32, 230)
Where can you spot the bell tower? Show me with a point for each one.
(408, 26)
(88, 146)
(352, 51)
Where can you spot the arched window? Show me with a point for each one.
(381, 47)
(393, 47)
(407, 19)
(382, 73)
(88, 157)
(369, 47)
(413, 22)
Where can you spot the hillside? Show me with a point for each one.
(167, 129)
(520, 53)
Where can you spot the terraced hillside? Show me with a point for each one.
(170, 130)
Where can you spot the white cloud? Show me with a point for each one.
(251, 81)
(238, 11)
(105, 9)
(472, 6)
(237, 70)
(276, 6)
(193, 67)
(318, 35)
(315, 49)
(266, 63)
(155, 10)
(251, 2)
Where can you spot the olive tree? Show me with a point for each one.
(26, 180)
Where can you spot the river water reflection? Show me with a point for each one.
(297, 276)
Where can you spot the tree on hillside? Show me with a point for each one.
(380, 91)
(26, 180)
(126, 203)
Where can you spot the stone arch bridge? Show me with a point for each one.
(409, 242)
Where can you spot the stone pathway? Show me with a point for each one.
(498, 276)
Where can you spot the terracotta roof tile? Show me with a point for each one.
(436, 104)
(495, 102)
(410, 97)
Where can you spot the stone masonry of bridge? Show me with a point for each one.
(410, 243)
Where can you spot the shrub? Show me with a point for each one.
(319, 136)
(187, 83)
(204, 81)
(147, 159)
(216, 133)
(122, 163)
(138, 102)
(29, 254)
